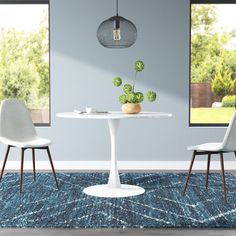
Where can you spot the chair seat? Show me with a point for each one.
(29, 143)
(214, 147)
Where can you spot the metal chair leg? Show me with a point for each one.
(5, 160)
(33, 158)
(21, 169)
(223, 175)
(208, 168)
(189, 172)
(53, 170)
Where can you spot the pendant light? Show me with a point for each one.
(117, 32)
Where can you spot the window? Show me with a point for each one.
(212, 62)
(24, 55)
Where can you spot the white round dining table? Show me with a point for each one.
(113, 189)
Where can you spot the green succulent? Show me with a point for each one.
(117, 81)
(127, 88)
(151, 96)
(139, 66)
(139, 97)
(131, 97)
(123, 99)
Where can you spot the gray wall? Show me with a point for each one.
(82, 71)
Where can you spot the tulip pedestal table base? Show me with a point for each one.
(114, 189)
(104, 190)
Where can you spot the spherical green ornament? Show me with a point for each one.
(139, 97)
(117, 81)
(151, 96)
(139, 66)
(127, 88)
(131, 97)
(123, 99)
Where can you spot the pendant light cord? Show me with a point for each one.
(117, 7)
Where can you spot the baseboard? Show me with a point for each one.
(122, 165)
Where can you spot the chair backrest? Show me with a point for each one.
(15, 121)
(229, 141)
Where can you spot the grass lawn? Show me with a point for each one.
(211, 115)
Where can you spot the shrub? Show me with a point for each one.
(229, 101)
(18, 80)
(222, 84)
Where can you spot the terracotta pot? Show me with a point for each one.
(131, 108)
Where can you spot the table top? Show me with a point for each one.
(112, 115)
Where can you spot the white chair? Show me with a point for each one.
(227, 145)
(17, 130)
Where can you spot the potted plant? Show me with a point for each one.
(131, 99)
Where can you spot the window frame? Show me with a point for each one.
(49, 52)
(190, 29)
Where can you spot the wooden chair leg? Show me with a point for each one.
(53, 170)
(189, 172)
(223, 175)
(21, 169)
(33, 157)
(5, 160)
(208, 168)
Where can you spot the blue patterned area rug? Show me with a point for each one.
(161, 206)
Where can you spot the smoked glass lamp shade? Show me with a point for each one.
(127, 33)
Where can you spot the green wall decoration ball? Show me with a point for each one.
(131, 97)
(151, 96)
(117, 81)
(123, 99)
(139, 97)
(127, 88)
(139, 66)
